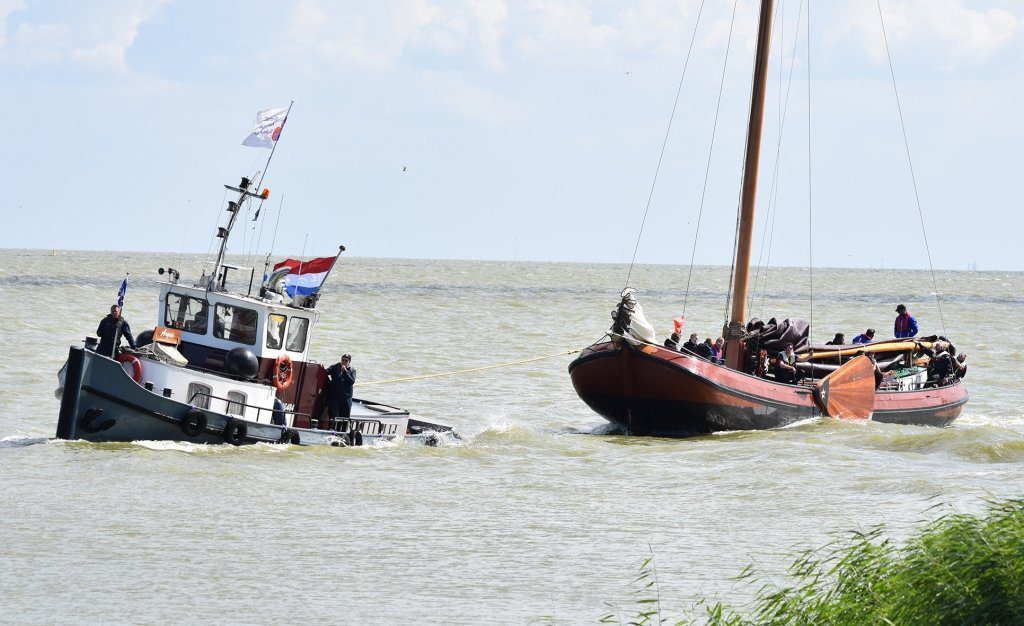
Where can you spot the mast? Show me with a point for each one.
(741, 264)
(223, 232)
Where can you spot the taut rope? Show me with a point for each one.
(472, 369)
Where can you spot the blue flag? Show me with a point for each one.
(122, 291)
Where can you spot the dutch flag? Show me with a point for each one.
(306, 277)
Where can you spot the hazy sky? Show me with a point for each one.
(530, 130)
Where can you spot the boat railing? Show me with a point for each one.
(234, 403)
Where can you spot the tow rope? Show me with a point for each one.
(472, 369)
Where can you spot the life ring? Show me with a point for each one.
(194, 422)
(235, 432)
(282, 375)
(126, 357)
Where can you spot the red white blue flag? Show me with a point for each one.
(306, 277)
(267, 129)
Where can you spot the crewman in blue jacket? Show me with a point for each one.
(905, 325)
(341, 378)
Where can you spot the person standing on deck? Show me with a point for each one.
(110, 332)
(341, 378)
(905, 325)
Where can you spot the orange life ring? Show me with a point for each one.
(282, 376)
(125, 357)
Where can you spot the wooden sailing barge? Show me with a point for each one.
(648, 389)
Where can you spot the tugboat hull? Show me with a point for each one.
(101, 403)
(648, 390)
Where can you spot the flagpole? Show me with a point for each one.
(122, 291)
(267, 166)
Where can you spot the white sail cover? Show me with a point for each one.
(640, 328)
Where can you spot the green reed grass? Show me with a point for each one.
(960, 569)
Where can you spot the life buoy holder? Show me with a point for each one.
(126, 357)
(235, 432)
(283, 371)
(194, 422)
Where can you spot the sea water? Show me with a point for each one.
(536, 515)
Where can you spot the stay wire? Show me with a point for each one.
(910, 164)
(810, 187)
(780, 9)
(726, 316)
(664, 144)
(711, 152)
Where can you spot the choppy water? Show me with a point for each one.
(534, 516)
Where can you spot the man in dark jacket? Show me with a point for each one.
(341, 378)
(111, 329)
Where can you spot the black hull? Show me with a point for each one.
(100, 403)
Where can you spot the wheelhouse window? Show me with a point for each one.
(275, 331)
(187, 313)
(235, 323)
(199, 395)
(236, 403)
(297, 330)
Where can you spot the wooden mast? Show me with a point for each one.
(738, 317)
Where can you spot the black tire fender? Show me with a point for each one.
(290, 436)
(90, 421)
(235, 432)
(355, 438)
(194, 422)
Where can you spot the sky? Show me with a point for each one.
(529, 130)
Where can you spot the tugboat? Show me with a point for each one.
(223, 366)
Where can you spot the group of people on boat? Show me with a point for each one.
(945, 365)
(713, 351)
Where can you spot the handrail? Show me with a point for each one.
(259, 409)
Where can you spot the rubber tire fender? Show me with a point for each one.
(290, 436)
(194, 422)
(235, 432)
(355, 438)
(88, 421)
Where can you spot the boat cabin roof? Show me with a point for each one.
(225, 320)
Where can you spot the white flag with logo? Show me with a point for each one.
(267, 129)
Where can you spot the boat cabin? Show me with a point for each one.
(208, 325)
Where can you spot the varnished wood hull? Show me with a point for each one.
(648, 390)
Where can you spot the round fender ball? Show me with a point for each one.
(242, 363)
(144, 338)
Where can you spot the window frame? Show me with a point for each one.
(196, 387)
(305, 334)
(284, 331)
(224, 328)
(184, 325)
